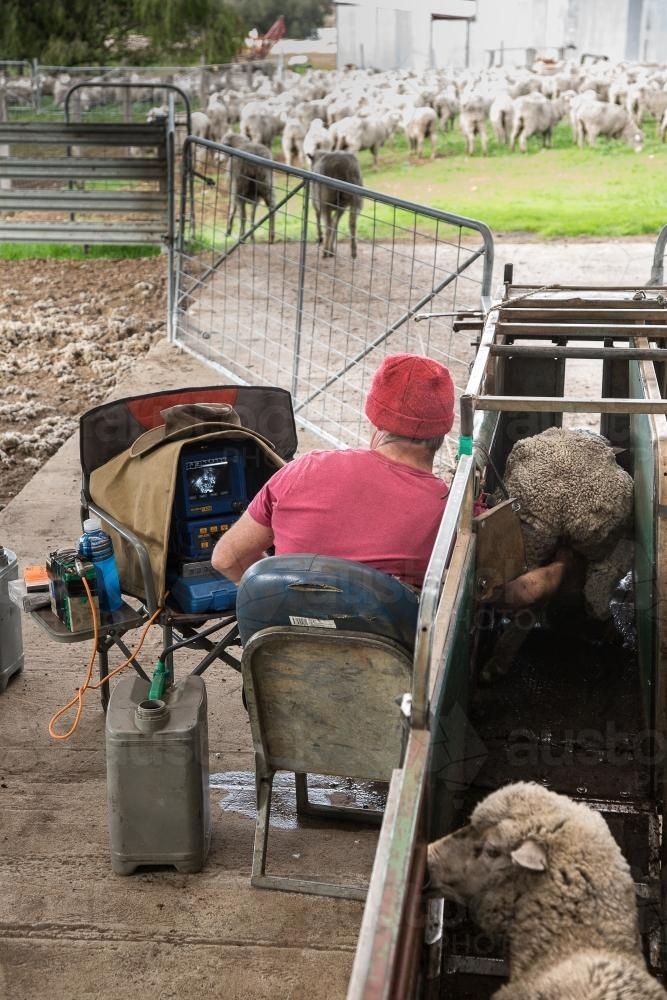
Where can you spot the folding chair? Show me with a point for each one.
(327, 658)
(110, 429)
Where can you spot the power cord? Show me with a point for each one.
(80, 693)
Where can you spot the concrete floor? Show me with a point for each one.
(72, 928)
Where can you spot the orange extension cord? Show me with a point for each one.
(79, 696)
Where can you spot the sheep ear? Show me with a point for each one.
(530, 855)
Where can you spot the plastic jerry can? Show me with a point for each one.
(11, 636)
(157, 775)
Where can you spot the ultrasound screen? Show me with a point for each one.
(208, 480)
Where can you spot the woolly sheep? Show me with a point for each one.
(358, 132)
(259, 123)
(317, 139)
(200, 127)
(292, 141)
(472, 122)
(218, 116)
(654, 102)
(662, 127)
(446, 106)
(248, 183)
(306, 111)
(535, 115)
(571, 491)
(420, 124)
(595, 118)
(331, 203)
(501, 116)
(546, 873)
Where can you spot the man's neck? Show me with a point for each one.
(407, 454)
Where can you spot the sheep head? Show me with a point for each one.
(479, 865)
(542, 870)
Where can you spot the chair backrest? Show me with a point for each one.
(314, 591)
(108, 429)
(326, 702)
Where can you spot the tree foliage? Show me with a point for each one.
(302, 17)
(78, 32)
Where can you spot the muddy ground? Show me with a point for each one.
(69, 330)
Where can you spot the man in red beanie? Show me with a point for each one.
(380, 505)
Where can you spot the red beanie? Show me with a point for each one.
(411, 396)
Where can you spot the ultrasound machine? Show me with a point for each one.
(211, 494)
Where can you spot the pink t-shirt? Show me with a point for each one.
(354, 504)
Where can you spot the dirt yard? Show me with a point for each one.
(68, 331)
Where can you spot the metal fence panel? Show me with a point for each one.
(280, 313)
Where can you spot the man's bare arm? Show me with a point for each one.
(240, 547)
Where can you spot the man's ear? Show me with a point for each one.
(530, 855)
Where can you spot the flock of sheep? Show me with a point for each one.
(348, 111)
(345, 112)
(356, 109)
(353, 110)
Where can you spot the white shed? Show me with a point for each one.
(422, 34)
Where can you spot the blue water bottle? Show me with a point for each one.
(96, 546)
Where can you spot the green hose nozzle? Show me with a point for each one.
(158, 682)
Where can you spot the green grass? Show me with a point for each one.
(560, 192)
(62, 251)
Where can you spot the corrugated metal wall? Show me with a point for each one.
(402, 35)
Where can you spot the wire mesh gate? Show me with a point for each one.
(280, 313)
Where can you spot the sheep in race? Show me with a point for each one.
(249, 183)
(545, 873)
(331, 203)
(573, 497)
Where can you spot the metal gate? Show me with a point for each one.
(280, 313)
